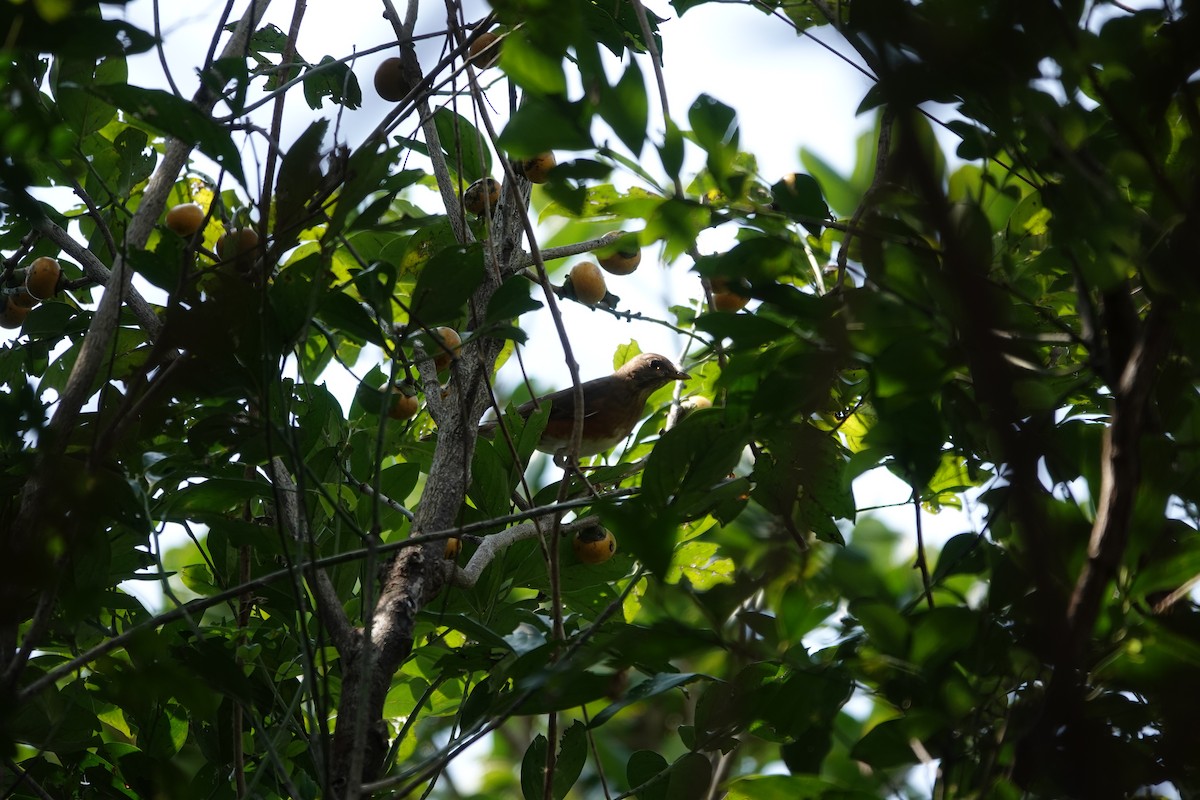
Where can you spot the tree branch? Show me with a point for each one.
(329, 607)
(492, 546)
(95, 270)
(1120, 478)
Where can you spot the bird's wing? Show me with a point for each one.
(562, 402)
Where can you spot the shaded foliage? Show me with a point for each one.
(1009, 326)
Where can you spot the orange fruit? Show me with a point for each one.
(623, 256)
(404, 406)
(587, 283)
(484, 52)
(390, 81)
(452, 341)
(41, 281)
(594, 545)
(13, 315)
(481, 196)
(453, 548)
(537, 169)
(185, 219)
(725, 299)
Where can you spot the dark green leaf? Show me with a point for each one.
(533, 769)
(627, 109)
(511, 300)
(466, 152)
(651, 687)
(333, 79)
(546, 123)
(176, 117)
(643, 767)
(446, 282)
(691, 777)
(713, 123)
(572, 755)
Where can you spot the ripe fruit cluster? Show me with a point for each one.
(31, 285)
(444, 345)
(619, 255)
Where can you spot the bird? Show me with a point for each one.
(612, 406)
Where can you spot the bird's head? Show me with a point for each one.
(649, 371)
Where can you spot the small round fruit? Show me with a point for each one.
(404, 406)
(13, 315)
(481, 196)
(728, 301)
(390, 81)
(42, 279)
(537, 169)
(621, 258)
(693, 403)
(587, 282)
(724, 299)
(238, 244)
(594, 545)
(484, 52)
(453, 548)
(451, 341)
(185, 219)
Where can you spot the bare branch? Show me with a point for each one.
(97, 272)
(492, 546)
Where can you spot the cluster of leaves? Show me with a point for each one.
(1021, 321)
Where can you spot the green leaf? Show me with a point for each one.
(334, 80)
(445, 284)
(216, 494)
(626, 108)
(691, 777)
(800, 196)
(643, 767)
(788, 787)
(651, 687)
(547, 123)
(714, 124)
(299, 177)
(890, 743)
(83, 111)
(572, 755)
(532, 67)
(511, 300)
(350, 317)
(964, 554)
(466, 152)
(533, 769)
(940, 633)
(670, 152)
(888, 631)
(176, 117)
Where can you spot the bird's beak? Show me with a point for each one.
(680, 375)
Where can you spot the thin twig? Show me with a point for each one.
(922, 563)
(656, 62)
